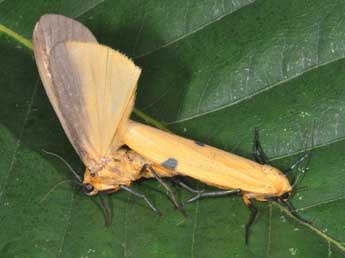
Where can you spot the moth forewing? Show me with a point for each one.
(205, 163)
(50, 30)
(69, 87)
(96, 87)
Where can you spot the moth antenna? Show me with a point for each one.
(56, 186)
(66, 163)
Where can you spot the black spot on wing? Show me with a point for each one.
(199, 143)
(170, 163)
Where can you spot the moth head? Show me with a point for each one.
(90, 183)
(102, 181)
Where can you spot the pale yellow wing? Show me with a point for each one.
(95, 89)
(205, 163)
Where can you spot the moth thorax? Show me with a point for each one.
(95, 166)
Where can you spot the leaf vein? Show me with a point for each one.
(91, 7)
(254, 94)
(340, 139)
(316, 230)
(195, 226)
(268, 249)
(18, 143)
(125, 228)
(201, 27)
(138, 36)
(321, 203)
(68, 224)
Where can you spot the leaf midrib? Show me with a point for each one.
(254, 94)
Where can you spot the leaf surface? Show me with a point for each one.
(212, 71)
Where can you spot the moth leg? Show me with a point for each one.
(213, 194)
(168, 189)
(201, 193)
(141, 196)
(185, 186)
(258, 152)
(253, 212)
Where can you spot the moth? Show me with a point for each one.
(92, 89)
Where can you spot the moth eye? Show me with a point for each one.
(88, 188)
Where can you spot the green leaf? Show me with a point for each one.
(212, 71)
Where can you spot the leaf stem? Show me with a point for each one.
(22, 40)
(150, 120)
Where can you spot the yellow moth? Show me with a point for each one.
(92, 90)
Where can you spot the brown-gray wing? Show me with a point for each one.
(95, 91)
(50, 30)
